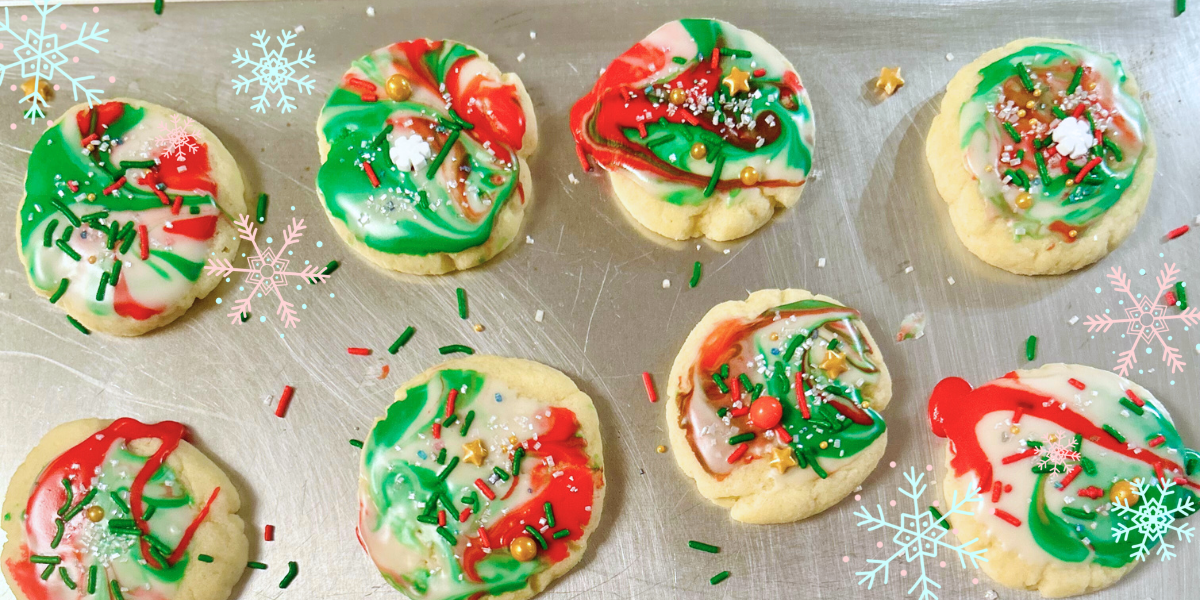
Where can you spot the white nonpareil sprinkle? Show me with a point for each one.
(572, 178)
(950, 280)
(1073, 320)
(528, 240)
(949, 57)
(533, 35)
(521, 57)
(538, 315)
(298, 29)
(1198, 219)
(908, 269)
(370, 11)
(821, 262)
(991, 595)
(666, 283)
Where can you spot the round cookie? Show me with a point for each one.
(506, 454)
(120, 214)
(733, 418)
(704, 129)
(1044, 154)
(423, 156)
(1052, 449)
(141, 511)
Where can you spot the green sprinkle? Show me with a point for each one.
(66, 233)
(1181, 295)
(738, 52)
(91, 586)
(1114, 148)
(696, 269)
(1043, 172)
(66, 211)
(103, 287)
(116, 498)
(459, 120)
(193, 209)
(82, 503)
(466, 426)
(1012, 132)
(78, 325)
(518, 455)
(66, 483)
(1077, 443)
(817, 468)
(48, 234)
(719, 577)
(741, 437)
(261, 211)
(537, 535)
(1132, 407)
(441, 457)
(441, 155)
(452, 348)
(428, 519)
(1071, 511)
(245, 316)
(549, 514)
(1075, 79)
(137, 164)
(116, 590)
(47, 572)
(402, 340)
(462, 302)
(293, 571)
(1113, 432)
(114, 273)
(446, 535)
(257, 565)
(721, 385)
(450, 420)
(158, 8)
(127, 241)
(445, 472)
(122, 524)
(66, 577)
(67, 249)
(561, 533)
(938, 518)
(1023, 73)
(150, 513)
(1180, 6)
(679, 60)
(716, 176)
(44, 560)
(1058, 112)
(1031, 347)
(1089, 467)
(701, 546)
(501, 473)
(58, 533)
(330, 267)
(356, 443)
(721, 412)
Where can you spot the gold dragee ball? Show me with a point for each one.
(677, 96)
(95, 514)
(1122, 492)
(749, 175)
(1015, 429)
(398, 88)
(661, 449)
(699, 151)
(523, 548)
(1024, 200)
(34, 83)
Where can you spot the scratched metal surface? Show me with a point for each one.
(871, 212)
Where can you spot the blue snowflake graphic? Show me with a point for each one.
(1153, 520)
(920, 536)
(41, 58)
(273, 72)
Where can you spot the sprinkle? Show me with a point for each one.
(561, 533)
(1023, 73)
(1089, 467)
(483, 537)
(950, 280)
(466, 426)
(1180, 6)
(549, 509)
(442, 153)
(1012, 132)
(446, 535)
(462, 302)
(783, 435)
(537, 316)
(696, 269)
(1006, 517)
(1070, 476)
(716, 175)
(996, 490)
(44, 560)
(144, 236)
(48, 234)
(284, 400)
(719, 577)
(114, 186)
(1132, 396)
(116, 590)
(441, 457)
(78, 325)
(1113, 432)
(66, 577)
(518, 455)
(537, 535)
(91, 586)
(1132, 407)
(501, 473)
(402, 340)
(1075, 80)
(1178, 231)
(58, 533)
(1091, 164)
(158, 7)
(741, 437)
(356, 443)
(1157, 441)
(701, 546)
(446, 470)
(583, 161)
(371, 176)
(383, 373)
(256, 565)
(482, 486)
(1031, 347)
(646, 381)
(452, 348)
(451, 398)
(62, 289)
(1181, 295)
(293, 571)
(67, 212)
(1076, 383)
(103, 287)
(737, 453)
(67, 249)
(1008, 460)
(359, 351)
(436, 430)
(114, 273)
(1071, 511)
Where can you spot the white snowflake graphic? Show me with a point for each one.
(1054, 454)
(1153, 521)
(919, 536)
(41, 58)
(178, 136)
(273, 72)
(266, 271)
(1147, 318)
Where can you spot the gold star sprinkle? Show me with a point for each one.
(783, 459)
(737, 81)
(889, 81)
(474, 452)
(834, 363)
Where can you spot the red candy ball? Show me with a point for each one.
(766, 412)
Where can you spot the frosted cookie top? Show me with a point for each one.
(120, 214)
(468, 488)
(420, 147)
(1065, 457)
(102, 517)
(791, 386)
(1054, 134)
(699, 107)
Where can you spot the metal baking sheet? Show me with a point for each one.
(871, 212)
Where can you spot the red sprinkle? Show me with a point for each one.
(996, 489)
(384, 373)
(760, 72)
(116, 185)
(1008, 460)
(1169, 298)
(1158, 470)
(737, 453)
(365, 86)
(740, 412)
(1181, 481)
(464, 515)
(177, 205)
(1077, 384)
(802, 397)
(716, 58)
(689, 117)
(73, 185)
(1017, 413)
(1078, 110)
(436, 430)
(359, 351)
(1008, 518)
(269, 533)
(144, 247)
(1091, 164)
(1070, 476)
(441, 518)
(451, 399)
(88, 140)
(284, 400)
(1134, 398)
(1090, 491)
(1007, 488)
(783, 435)
(369, 98)
(1158, 441)
(162, 197)
(641, 127)
(483, 487)
(366, 166)
(583, 161)
(1178, 231)
(649, 383)
(483, 537)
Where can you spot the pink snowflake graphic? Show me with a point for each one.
(1054, 454)
(178, 136)
(1147, 318)
(266, 271)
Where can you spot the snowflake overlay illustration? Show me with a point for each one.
(1054, 454)
(266, 271)
(178, 136)
(919, 537)
(1147, 318)
(41, 58)
(1153, 521)
(273, 72)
